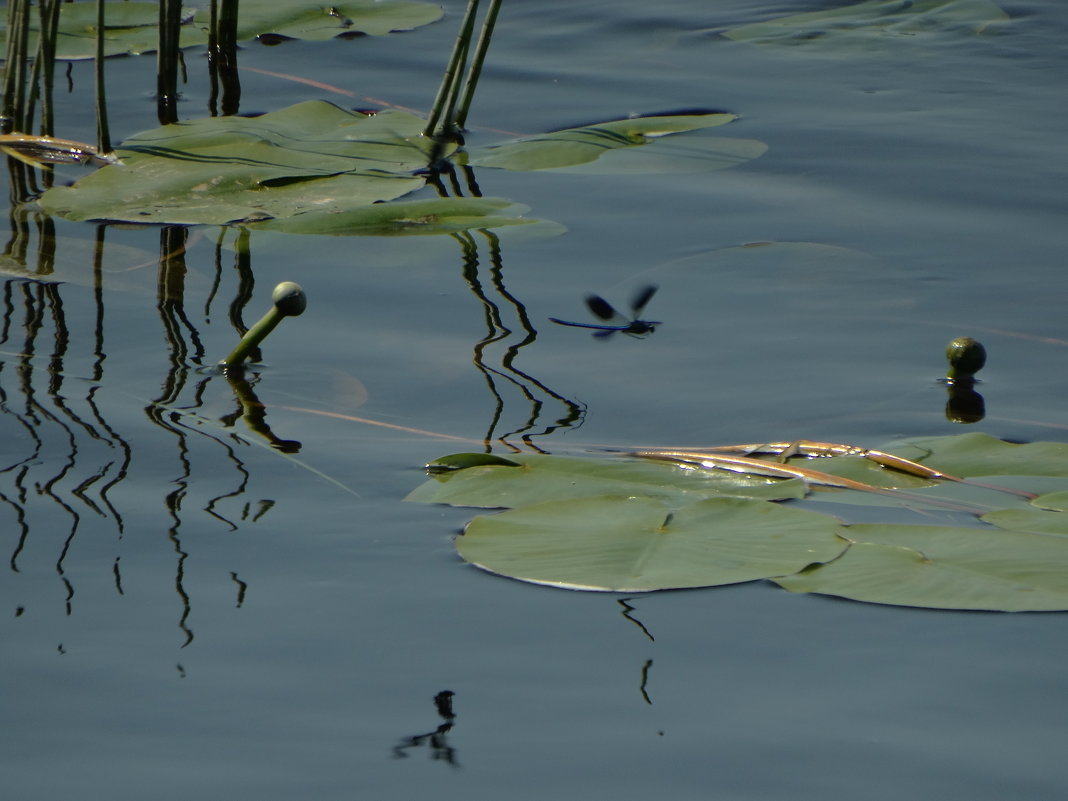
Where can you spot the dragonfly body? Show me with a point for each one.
(613, 320)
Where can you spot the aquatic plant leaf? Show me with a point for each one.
(1036, 521)
(944, 567)
(133, 27)
(580, 523)
(977, 454)
(642, 144)
(312, 156)
(1055, 501)
(860, 25)
(629, 544)
(538, 478)
(404, 218)
(301, 19)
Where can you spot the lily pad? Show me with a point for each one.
(133, 27)
(858, 26)
(977, 454)
(945, 568)
(628, 544)
(322, 167)
(404, 218)
(612, 147)
(538, 478)
(301, 19)
(612, 523)
(313, 156)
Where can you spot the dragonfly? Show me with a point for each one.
(615, 321)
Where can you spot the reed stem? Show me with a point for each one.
(475, 70)
(440, 121)
(103, 135)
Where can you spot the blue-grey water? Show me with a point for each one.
(188, 614)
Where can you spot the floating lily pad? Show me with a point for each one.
(300, 19)
(617, 147)
(609, 523)
(946, 568)
(628, 544)
(404, 218)
(322, 167)
(537, 478)
(313, 156)
(977, 454)
(133, 28)
(858, 26)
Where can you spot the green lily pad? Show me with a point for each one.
(609, 523)
(977, 454)
(1054, 501)
(944, 567)
(317, 168)
(319, 21)
(858, 26)
(1036, 521)
(628, 544)
(538, 478)
(133, 27)
(619, 146)
(404, 218)
(313, 156)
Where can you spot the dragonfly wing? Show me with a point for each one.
(642, 297)
(601, 307)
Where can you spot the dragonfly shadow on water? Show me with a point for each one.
(615, 321)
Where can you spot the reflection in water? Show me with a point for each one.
(531, 388)
(445, 177)
(436, 741)
(252, 410)
(60, 439)
(645, 680)
(627, 609)
(62, 458)
(964, 404)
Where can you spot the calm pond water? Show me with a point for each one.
(188, 614)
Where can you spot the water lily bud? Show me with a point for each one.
(966, 358)
(289, 299)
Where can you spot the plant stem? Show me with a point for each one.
(170, 25)
(476, 64)
(18, 25)
(46, 54)
(288, 301)
(103, 135)
(439, 120)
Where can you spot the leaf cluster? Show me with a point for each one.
(616, 524)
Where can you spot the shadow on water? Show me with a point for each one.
(437, 741)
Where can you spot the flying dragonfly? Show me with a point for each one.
(628, 325)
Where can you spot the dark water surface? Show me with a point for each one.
(190, 615)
